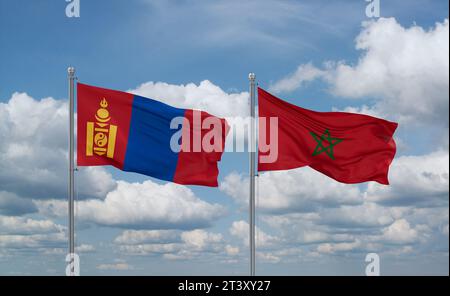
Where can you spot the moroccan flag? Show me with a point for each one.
(145, 136)
(348, 147)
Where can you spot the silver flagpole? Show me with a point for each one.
(251, 78)
(71, 74)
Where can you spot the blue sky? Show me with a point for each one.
(198, 54)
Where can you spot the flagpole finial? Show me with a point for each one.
(251, 76)
(71, 71)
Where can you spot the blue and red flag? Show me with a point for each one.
(145, 136)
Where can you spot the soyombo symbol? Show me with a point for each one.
(100, 135)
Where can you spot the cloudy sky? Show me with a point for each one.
(316, 54)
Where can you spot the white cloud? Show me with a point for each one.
(304, 73)
(366, 215)
(233, 251)
(93, 182)
(240, 229)
(33, 151)
(206, 97)
(33, 242)
(301, 189)
(135, 237)
(267, 257)
(84, 248)
(305, 230)
(200, 239)
(146, 205)
(150, 205)
(146, 249)
(173, 245)
(20, 234)
(362, 228)
(330, 248)
(407, 69)
(400, 232)
(352, 229)
(115, 266)
(401, 251)
(421, 180)
(405, 66)
(21, 225)
(311, 236)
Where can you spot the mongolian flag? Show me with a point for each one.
(145, 136)
(348, 147)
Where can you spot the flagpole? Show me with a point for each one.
(252, 151)
(71, 77)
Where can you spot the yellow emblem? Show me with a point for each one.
(101, 136)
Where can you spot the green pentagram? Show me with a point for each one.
(321, 148)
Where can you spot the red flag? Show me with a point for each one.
(348, 147)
